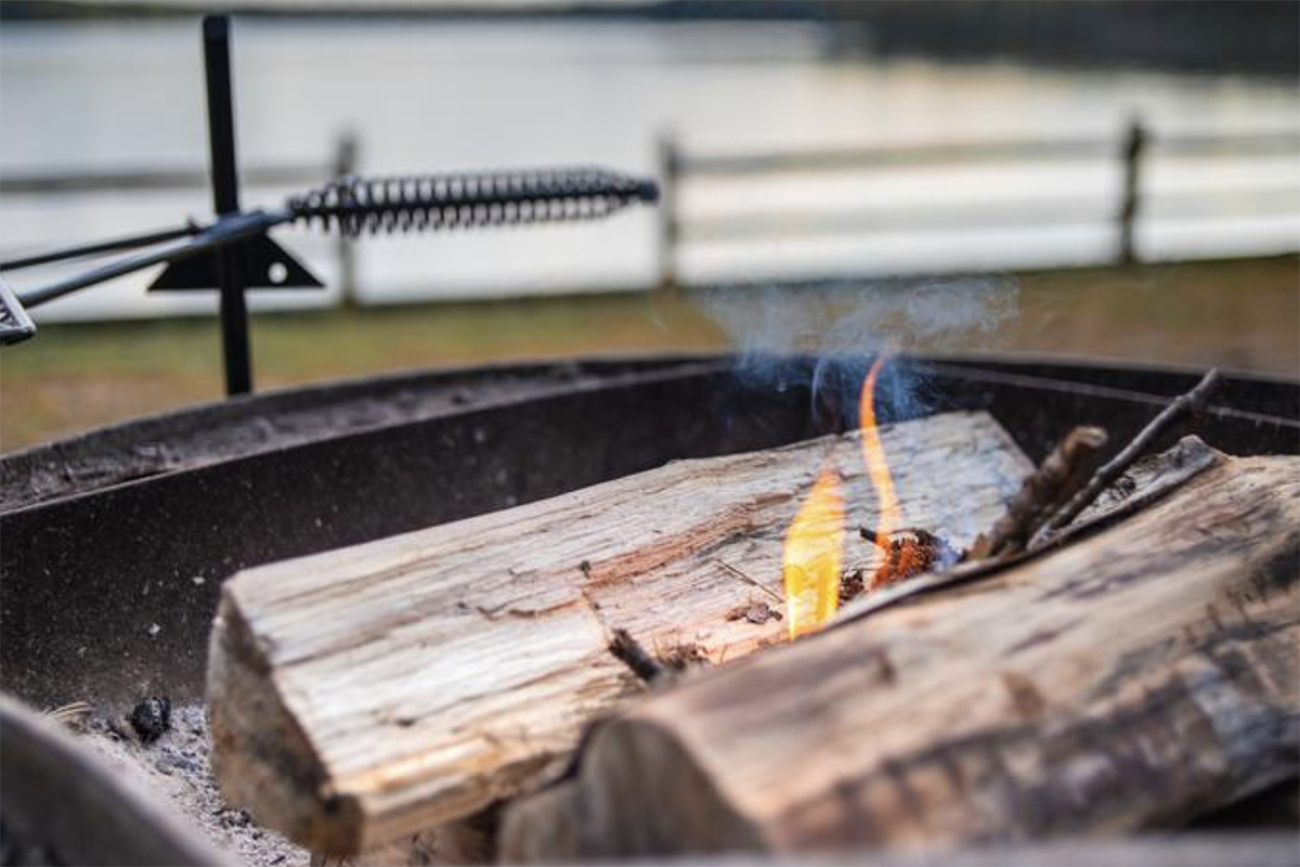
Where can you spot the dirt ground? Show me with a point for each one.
(1243, 314)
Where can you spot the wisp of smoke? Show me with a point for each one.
(825, 336)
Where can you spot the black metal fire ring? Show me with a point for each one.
(109, 590)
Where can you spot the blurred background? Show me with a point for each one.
(1133, 168)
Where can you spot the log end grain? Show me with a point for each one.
(260, 754)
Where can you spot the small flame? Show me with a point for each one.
(814, 543)
(905, 554)
(814, 552)
(874, 456)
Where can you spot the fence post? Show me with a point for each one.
(1134, 144)
(345, 165)
(669, 160)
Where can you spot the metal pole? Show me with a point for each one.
(130, 242)
(1134, 142)
(225, 199)
(223, 233)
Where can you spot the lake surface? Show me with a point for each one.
(432, 96)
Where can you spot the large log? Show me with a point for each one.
(1133, 678)
(1184, 850)
(368, 693)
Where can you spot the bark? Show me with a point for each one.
(1135, 677)
(1260, 848)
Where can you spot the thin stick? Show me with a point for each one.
(750, 581)
(1059, 477)
(873, 536)
(1193, 401)
(630, 652)
(883, 542)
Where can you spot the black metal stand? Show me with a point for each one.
(235, 253)
(225, 200)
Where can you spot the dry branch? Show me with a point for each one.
(1192, 402)
(1056, 480)
(1136, 676)
(368, 693)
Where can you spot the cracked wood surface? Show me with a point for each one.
(370, 692)
(1133, 678)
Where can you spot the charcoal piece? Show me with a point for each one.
(150, 718)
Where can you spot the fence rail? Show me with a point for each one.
(128, 180)
(1128, 151)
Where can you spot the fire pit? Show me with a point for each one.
(116, 543)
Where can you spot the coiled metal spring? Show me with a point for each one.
(357, 206)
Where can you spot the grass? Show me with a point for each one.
(1240, 313)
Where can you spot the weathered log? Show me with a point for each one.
(1135, 677)
(1187, 850)
(1255, 849)
(369, 693)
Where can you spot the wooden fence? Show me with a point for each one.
(1128, 153)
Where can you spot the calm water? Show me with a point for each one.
(431, 97)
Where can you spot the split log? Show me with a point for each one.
(369, 693)
(1136, 677)
(1258, 848)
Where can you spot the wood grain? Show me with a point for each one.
(369, 693)
(1133, 678)
(1275, 848)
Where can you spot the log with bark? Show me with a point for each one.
(369, 693)
(1135, 677)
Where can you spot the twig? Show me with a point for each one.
(884, 540)
(630, 652)
(73, 714)
(1185, 461)
(750, 581)
(874, 537)
(1191, 402)
(1059, 477)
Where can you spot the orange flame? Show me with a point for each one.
(874, 456)
(814, 551)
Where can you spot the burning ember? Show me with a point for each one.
(907, 553)
(814, 542)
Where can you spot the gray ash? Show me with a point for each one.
(174, 765)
